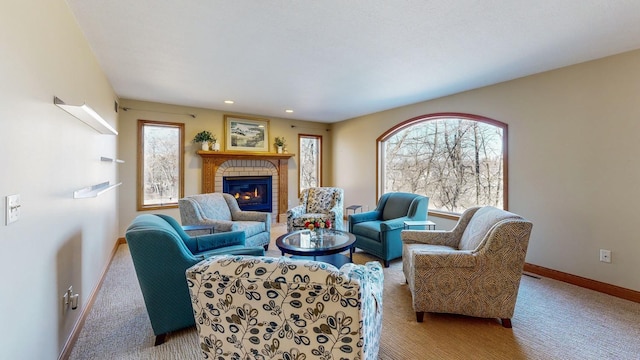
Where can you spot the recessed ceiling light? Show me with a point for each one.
(288, 111)
(228, 101)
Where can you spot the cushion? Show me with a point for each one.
(480, 224)
(368, 229)
(250, 228)
(397, 206)
(320, 200)
(213, 206)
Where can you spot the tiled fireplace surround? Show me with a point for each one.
(251, 168)
(216, 165)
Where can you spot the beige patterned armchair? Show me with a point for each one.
(473, 270)
(278, 308)
(318, 204)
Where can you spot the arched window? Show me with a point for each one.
(457, 160)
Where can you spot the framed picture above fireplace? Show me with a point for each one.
(246, 133)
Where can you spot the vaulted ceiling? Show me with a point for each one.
(331, 60)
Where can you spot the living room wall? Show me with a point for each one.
(573, 160)
(47, 154)
(205, 119)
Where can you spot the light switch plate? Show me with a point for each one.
(12, 208)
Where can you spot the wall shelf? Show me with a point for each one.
(94, 190)
(108, 159)
(87, 115)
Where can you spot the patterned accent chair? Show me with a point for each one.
(473, 270)
(378, 232)
(319, 203)
(222, 211)
(161, 252)
(279, 308)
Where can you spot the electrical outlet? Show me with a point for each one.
(605, 255)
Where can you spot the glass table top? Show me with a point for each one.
(306, 240)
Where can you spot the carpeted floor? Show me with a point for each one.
(553, 320)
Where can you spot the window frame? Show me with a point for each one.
(437, 116)
(319, 160)
(140, 164)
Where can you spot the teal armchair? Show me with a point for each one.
(377, 232)
(161, 253)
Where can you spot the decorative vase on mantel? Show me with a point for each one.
(279, 149)
(205, 145)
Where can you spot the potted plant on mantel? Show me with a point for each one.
(205, 138)
(279, 143)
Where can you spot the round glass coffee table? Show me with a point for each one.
(325, 245)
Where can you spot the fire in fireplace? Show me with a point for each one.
(251, 192)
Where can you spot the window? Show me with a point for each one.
(457, 160)
(160, 164)
(310, 161)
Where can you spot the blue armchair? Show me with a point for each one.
(161, 253)
(378, 232)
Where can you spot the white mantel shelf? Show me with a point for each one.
(211, 161)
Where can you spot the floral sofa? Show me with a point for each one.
(317, 204)
(222, 211)
(279, 308)
(473, 270)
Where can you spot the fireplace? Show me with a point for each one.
(251, 192)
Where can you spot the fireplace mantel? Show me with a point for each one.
(211, 160)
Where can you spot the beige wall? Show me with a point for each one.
(205, 119)
(46, 155)
(574, 165)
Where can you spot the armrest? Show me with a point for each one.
(393, 224)
(296, 211)
(444, 259)
(220, 240)
(365, 216)
(431, 237)
(251, 216)
(370, 272)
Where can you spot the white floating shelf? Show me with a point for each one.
(95, 190)
(87, 115)
(107, 159)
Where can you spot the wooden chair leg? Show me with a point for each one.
(419, 316)
(506, 323)
(266, 247)
(160, 339)
(386, 263)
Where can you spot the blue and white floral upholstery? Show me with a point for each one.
(318, 203)
(279, 308)
(473, 270)
(222, 211)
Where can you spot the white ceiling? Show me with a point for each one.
(331, 60)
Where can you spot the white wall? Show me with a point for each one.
(574, 165)
(46, 155)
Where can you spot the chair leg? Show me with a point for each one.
(266, 247)
(419, 316)
(506, 323)
(160, 339)
(386, 263)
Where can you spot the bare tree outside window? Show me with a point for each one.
(457, 161)
(310, 161)
(160, 159)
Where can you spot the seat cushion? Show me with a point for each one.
(250, 228)
(368, 229)
(480, 224)
(299, 222)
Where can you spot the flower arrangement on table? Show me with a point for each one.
(313, 224)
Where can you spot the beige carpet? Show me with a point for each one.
(553, 320)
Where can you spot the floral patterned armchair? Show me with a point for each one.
(317, 204)
(472, 270)
(262, 307)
